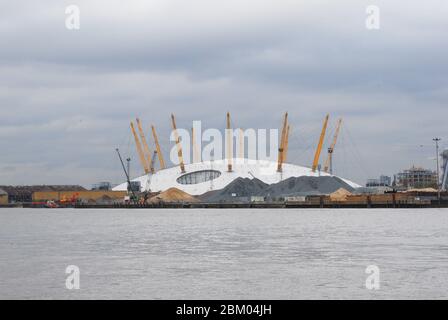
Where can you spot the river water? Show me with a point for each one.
(224, 253)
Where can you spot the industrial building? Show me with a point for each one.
(416, 178)
(202, 176)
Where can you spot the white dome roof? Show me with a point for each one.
(264, 170)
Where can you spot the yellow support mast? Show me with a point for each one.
(282, 143)
(229, 144)
(328, 162)
(139, 150)
(179, 147)
(321, 143)
(285, 151)
(146, 150)
(158, 149)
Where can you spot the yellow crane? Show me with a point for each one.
(159, 151)
(321, 143)
(282, 144)
(179, 147)
(328, 167)
(229, 144)
(139, 150)
(146, 150)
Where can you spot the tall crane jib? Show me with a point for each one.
(328, 166)
(320, 144)
(128, 179)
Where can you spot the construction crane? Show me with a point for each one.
(128, 179)
(229, 144)
(146, 150)
(282, 143)
(159, 151)
(328, 166)
(139, 150)
(179, 147)
(321, 143)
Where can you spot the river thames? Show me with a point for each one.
(224, 253)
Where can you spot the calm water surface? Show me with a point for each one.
(223, 254)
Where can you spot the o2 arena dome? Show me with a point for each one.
(202, 176)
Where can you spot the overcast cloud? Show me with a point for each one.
(67, 96)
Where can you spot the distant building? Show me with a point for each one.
(3, 197)
(102, 186)
(383, 181)
(416, 178)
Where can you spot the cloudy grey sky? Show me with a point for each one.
(66, 96)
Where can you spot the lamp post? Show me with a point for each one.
(436, 140)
